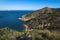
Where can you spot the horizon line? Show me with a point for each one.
(9, 10)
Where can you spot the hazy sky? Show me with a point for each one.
(28, 4)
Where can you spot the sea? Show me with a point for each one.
(9, 19)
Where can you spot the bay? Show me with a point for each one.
(10, 19)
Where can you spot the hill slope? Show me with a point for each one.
(8, 34)
(45, 17)
(45, 24)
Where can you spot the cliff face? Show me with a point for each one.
(44, 18)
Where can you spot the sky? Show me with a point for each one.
(28, 4)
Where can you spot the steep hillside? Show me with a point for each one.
(43, 24)
(46, 17)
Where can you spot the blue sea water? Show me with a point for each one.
(10, 19)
